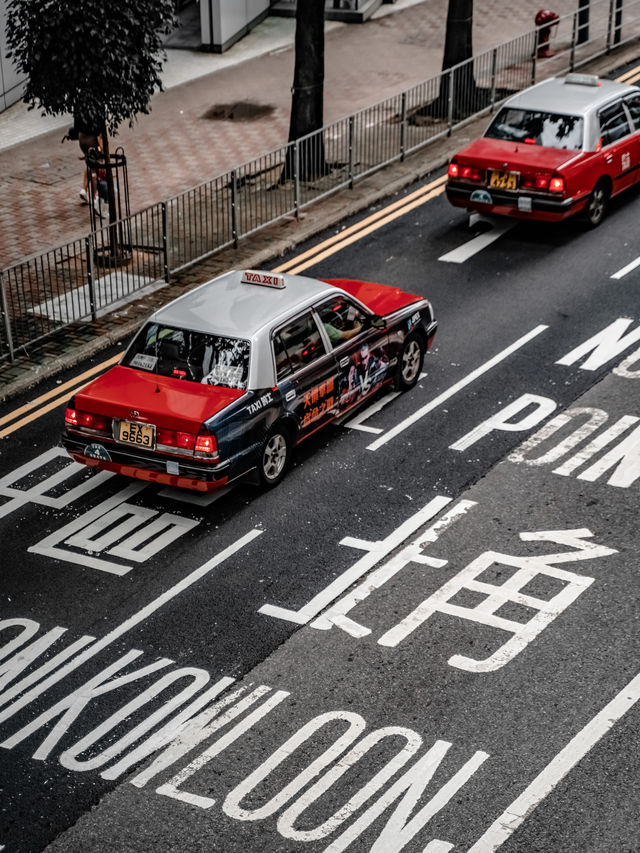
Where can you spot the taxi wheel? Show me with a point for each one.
(597, 204)
(274, 457)
(410, 362)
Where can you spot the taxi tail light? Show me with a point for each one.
(470, 173)
(556, 184)
(206, 445)
(87, 420)
(174, 438)
(453, 170)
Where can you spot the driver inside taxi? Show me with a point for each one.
(337, 331)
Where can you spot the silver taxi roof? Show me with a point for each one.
(229, 306)
(560, 96)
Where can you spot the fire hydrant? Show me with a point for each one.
(545, 20)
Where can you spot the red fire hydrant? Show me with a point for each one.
(545, 20)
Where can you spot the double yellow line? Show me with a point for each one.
(629, 77)
(34, 409)
(41, 405)
(356, 232)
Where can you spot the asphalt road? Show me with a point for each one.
(425, 639)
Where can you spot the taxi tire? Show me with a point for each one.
(597, 205)
(410, 360)
(275, 457)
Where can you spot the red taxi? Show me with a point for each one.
(562, 147)
(224, 381)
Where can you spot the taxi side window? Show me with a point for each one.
(296, 345)
(613, 123)
(341, 319)
(633, 105)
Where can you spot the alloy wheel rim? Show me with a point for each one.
(597, 204)
(411, 361)
(274, 457)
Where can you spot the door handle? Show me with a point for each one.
(609, 158)
(344, 361)
(290, 395)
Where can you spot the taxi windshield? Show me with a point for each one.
(194, 356)
(552, 130)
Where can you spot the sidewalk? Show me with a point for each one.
(177, 145)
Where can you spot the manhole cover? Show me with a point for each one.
(240, 111)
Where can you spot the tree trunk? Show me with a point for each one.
(307, 92)
(460, 83)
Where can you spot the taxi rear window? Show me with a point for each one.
(194, 356)
(553, 130)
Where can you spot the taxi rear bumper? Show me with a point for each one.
(515, 204)
(147, 465)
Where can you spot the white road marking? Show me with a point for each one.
(137, 618)
(441, 398)
(37, 493)
(337, 613)
(365, 414)
(629, 267)
(477, 244)
(557, 769)
(376, 551)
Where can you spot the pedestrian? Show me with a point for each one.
(87, 139)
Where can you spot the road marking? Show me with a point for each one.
(467, 380)
(544, 783)
(59, 394)
(477, 244)
(403, 205)
(119, 631)
(375, 551)
(629, 267)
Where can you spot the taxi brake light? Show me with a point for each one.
(206, 445)
(471, 173)
(71, 417)
(453, 170)
(556, 185)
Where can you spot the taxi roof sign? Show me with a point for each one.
(268, 279)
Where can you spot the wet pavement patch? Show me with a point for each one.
(239, 111)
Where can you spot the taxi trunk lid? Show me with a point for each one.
(166, 402)
(496, 154)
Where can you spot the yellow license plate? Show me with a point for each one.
(503, 180)
(142, 435)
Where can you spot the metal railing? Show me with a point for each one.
(86, 278)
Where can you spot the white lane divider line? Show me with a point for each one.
(477, 244)
(467, 380)
(629, 267)
(557, 769)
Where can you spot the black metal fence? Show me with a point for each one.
(88, 277)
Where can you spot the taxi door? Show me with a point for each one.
(632, 103)
(307, 374)
(360, 350)
(619, 146)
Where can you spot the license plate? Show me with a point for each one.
(142, 435)
(503, 180)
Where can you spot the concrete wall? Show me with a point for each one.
(223, 22)
(11, 84)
